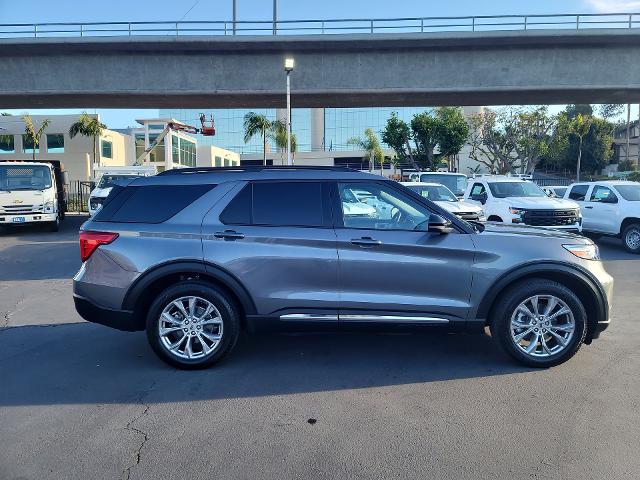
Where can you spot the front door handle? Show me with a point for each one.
(229, 235)
(366, 242)
(589, 208)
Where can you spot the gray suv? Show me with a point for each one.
(196, 256)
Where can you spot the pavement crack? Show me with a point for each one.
(7, 315)
(144, 436)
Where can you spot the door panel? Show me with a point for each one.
(287, 270)
(390, 270)
(602, 215)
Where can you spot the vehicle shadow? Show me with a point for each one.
(612, 249)
(39, 261)
(86, 363)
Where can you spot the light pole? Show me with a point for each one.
(289, 63)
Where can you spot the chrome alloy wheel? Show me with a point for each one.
(542, 325)
(190, 327)
(632, 238)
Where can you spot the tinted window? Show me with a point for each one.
(149, 203)
(578, 192)
(238, 212)
(288, 204)
(602, 194)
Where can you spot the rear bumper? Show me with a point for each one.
(118, 319)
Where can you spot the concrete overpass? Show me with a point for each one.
(464, 68)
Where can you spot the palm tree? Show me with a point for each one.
(33, 134)
(279, 136)
(256, 124)
(88, 126)
(371, 145)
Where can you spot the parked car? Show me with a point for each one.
(107, 176)
(520, 202)
(456, 182)
(555, 191)
(610, 208)
(226, 250)
(444, 197)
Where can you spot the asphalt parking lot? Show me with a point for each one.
(81, 401)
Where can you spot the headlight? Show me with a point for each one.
(48, 206)
(518, 213)
(585, 251)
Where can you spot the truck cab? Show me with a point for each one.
(32, 192)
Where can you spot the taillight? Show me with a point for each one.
(89, 241)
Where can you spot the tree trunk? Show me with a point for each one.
(411, 159)
(579, 159)
(33, 153)
(264, 148)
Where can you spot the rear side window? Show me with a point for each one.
(149, 203)
(578, 192)
(296, 204)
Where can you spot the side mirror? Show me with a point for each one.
(480, 197)
(610, 200)
(438, 224)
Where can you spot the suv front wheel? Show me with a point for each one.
(192, 325)
(540, 323)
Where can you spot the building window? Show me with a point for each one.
(218, 162)
(187, 152)
(157, 155)
(55, 143)
(106, 148)
(7, 144)
(227, 162)
(27, 145)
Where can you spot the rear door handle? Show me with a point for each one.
(229, 235)
(366, 242)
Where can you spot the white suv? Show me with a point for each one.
(513, 201)
(610, 208)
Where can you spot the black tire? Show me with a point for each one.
(508, 302)
(494, 218)
(54, 226)
(229, 314)
(629, 233)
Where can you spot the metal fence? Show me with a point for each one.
(78, 195)
(479, 23)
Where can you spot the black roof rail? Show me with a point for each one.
(253, 168)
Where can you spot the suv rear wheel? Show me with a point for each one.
(631, 238)
(539, 322)
(192, 325)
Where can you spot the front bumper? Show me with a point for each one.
(27, 218)
(118, 319)
(606, 285)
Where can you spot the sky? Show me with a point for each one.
(35, 11)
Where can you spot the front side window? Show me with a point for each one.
(375, 206)
(602, 194)
(55, 143)
(578, 193)
(108, 181)
(515, 189)
(478, 189)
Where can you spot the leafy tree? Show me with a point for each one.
(371, 146)
(34, 134)
(580, 127)
(279, 135)
(431, 138)
(88, 126)
(492, 141)
(609, 111)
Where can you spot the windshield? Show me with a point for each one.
(108, 181)
(629, 192)
(456, 183)
(435, 193)
(27, 177)
(515, 189)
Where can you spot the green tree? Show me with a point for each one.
(372, 148)
(88, 126)
(278, 132)
(256, 124)
(34, 134)
(609, 111)
(580, 127)
(431, 138)
(532, 130)
(492, 141)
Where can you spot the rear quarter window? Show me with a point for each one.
(148, 203)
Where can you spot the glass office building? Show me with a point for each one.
(333, 127)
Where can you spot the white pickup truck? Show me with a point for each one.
(520, 202)
(33, 192)
(610, 208)
(106, 177)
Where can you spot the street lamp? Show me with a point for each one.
(289, 63)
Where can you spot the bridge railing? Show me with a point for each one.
(482, 23)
